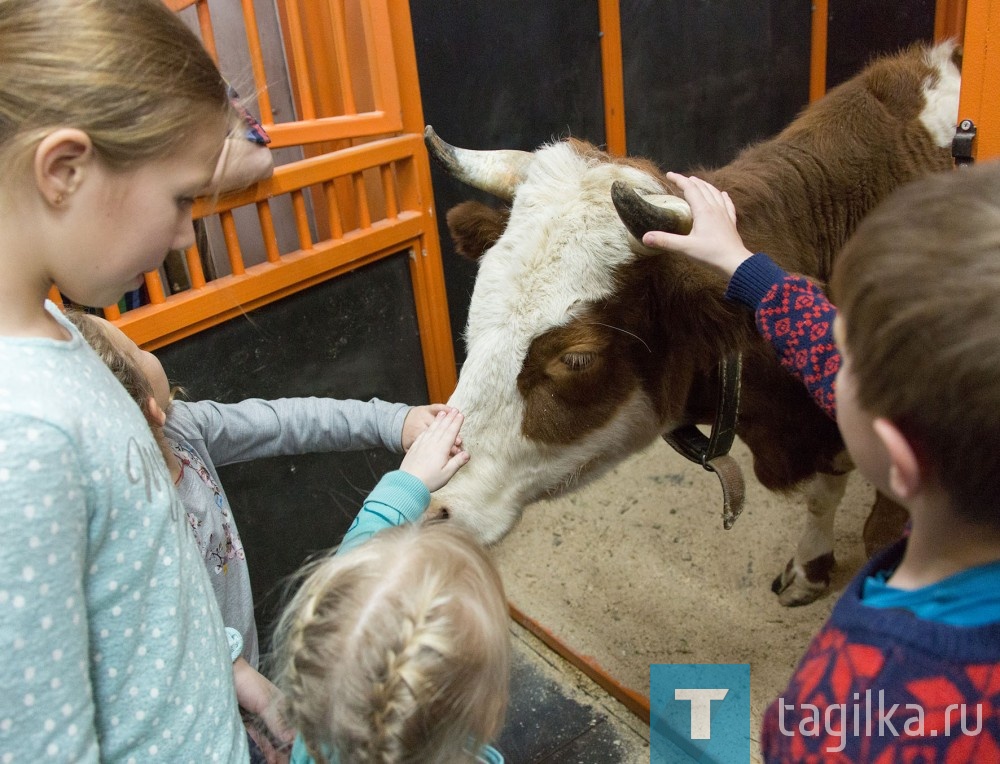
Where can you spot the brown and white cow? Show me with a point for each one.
(583, 346)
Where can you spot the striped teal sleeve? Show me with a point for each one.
(398, 498)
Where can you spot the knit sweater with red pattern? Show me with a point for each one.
(876, 684)
(882, 685)
(797, 319)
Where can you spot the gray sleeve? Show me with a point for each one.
(255, 428)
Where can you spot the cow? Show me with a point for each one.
(583, 346)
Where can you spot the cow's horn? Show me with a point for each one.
(652, 212)
(497, 172)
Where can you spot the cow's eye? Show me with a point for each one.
(577, 361)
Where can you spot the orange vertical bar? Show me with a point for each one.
(207, 33)
(300, 69)
(232, 242)
(55, 296)
(301, 220)
(194, 267)
(257, 63)
(817, 52)
(379, 38)
(614, 79)
(154, 288)
(361, 195)
(980, 97)
(267, 231)
(435, 329)
(333, 210)
(340, 54)
(389, 191)
(111, 313)
(406, 58)
(949, 20)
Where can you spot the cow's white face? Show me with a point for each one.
(548, 391)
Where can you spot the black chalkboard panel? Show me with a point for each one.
(354, 336)
(860, 29)
(704, 78)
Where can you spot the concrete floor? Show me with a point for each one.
(557, 715)
(636, 569)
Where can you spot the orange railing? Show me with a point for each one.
(980, 100)
(360, 190)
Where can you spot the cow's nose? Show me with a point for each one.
(436, 511)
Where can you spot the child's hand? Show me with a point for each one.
(714, 239)
(418, 419)
(269, 729)
(436, 453)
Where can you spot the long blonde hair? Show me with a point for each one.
(397, 651)
(128, 73)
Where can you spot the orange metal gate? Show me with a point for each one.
(980, 100)
(360, 192)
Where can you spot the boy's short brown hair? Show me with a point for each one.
(918, 286)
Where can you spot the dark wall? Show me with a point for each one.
(860, 29)
(704, 79)
(352, 337)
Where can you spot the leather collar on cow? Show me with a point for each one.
(712, 452)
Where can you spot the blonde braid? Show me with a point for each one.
(397, 651)
(298, 635)
(402, 692)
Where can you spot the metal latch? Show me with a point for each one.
(961, 144)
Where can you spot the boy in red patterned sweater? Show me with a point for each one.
(907, 668)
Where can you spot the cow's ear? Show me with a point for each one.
(475, 227)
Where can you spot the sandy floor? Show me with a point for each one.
(637, 569)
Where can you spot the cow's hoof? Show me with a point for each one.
(802, 584)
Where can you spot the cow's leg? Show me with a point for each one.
(807, 574)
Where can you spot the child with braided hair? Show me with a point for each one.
(396, 649)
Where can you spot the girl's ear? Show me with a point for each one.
(906, 477)
(155, 416)
(61, 161)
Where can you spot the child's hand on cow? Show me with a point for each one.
(714, 239)
(436, 453)
(419, 418)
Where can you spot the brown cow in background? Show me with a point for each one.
(583, 346)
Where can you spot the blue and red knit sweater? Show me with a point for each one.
(876, 684)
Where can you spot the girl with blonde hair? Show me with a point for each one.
(112, 119)
(397, 650)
